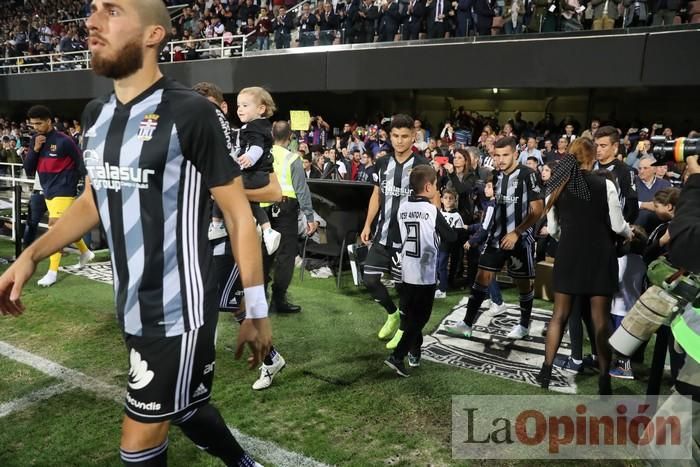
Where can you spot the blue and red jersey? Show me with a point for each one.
(59, 164)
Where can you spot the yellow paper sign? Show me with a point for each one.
(300, 119)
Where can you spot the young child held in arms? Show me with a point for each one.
(422, 227)
(252, 151)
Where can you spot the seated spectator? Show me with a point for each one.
(643, 150)
(310, 170)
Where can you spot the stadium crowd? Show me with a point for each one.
(32, 27)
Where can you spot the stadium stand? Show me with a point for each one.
(50, 35)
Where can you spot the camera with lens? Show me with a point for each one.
(671, 291)
(676, 150)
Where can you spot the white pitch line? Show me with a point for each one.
(35, 396)
(257, 447)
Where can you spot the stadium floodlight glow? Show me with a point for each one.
(495, 90)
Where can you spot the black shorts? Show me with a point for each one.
(170, 376)
(230, 285)
(520, 260)
(381, 259)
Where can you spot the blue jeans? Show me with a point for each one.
(495, 292)
(442, 260)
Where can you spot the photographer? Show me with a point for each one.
(684, 252)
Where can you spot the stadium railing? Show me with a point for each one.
(219, 47)
(15, 190)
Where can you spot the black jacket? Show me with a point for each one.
(390, 19)
(684, 249)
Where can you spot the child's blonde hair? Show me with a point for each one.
(263, 98)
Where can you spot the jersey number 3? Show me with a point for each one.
(412, 249)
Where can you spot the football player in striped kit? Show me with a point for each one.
(519, 204)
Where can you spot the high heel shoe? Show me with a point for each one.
(544, 376)
(604, 385)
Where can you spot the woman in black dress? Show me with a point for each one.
(583, 210)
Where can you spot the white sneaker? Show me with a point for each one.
(48, 280)
(440, 294)
(518, 332)
(496, 309)
(85, 258)
(325, 270)
(216, 231)
(267, 373)
(486, 304)
(463, 301)
(272, 240)
(460, 330)
(320, 274)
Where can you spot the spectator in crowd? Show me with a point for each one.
(310, 170)
(362, 17)
(483, 9)
(282, 26)
(306, 22)
(328, 24)
(263, 26)
(590, 132)
(643, 150)
(605, 13)
(562, 145)
(437, 12)
(367, 172)
(636, 13)
(513, 15)
(548, 151)
(648, 184)
(388, 21)
(412, 19)
(531, 151)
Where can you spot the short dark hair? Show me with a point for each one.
(401, 121)
(39, 111)
(667, 196)
(532, 158)
(505, 142)
(207, 89)
(449, 191)
(608, 131)
(281, 131)
(420, 176)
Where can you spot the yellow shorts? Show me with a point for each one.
(57, 206)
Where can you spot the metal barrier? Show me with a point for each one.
(14, 182)
(226, 46)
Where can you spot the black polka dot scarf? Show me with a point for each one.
(567, 172)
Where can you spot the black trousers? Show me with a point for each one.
(417, 305)
(283, 260)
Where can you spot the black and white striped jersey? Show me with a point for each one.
(151, 163)
(627, 190)
(422, 226)
(394, 189)
(513, 192)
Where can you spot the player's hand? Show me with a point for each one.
(264, 335)
(245, 162)
(543, 231)
(508, 242)
(467, 246)
(692, 166)
(366, 235)
(248, 334)
(39, 142)
(311, 228)
(11, 284)
(665, 238)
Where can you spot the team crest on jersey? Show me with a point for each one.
(147, 126)
(53, 148)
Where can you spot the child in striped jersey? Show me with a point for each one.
(421, 227)
(454, 220)
(477, 235)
